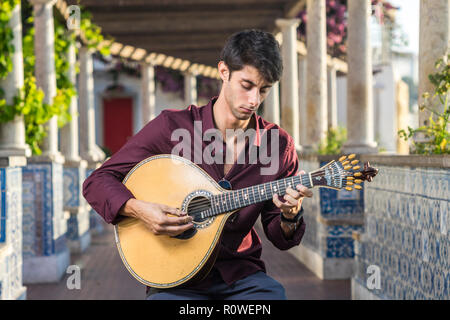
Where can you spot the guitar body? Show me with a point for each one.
(162, 261)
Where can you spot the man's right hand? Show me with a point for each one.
(156, 217)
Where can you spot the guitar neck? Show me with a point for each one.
(232, 200)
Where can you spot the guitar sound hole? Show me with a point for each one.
(197, 206)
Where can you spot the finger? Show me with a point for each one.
(304, 191)
(178, 221)
(174, 211)
(293, 193)
(301, 172)
(176, 230)
(291, 200)
(276, 200)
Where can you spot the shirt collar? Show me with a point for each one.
(208, 121)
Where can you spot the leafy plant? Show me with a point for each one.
(433, 137)
(29, 100)
(333, 142)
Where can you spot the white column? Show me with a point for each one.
(272, 104)
(148, 92)
(302, 99)
(45, 70)
(316, 78)
(190, 89)
(12, 134)
(434, 43)
(332, 97)
(289, 80)
(69, 133)
(360, 119)
(88, 147)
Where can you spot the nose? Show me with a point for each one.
(255, 98)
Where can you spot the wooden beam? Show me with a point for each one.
(293, 8)
(163, 25)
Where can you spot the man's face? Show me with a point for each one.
(244, 91)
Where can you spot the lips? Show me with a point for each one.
(247, 110)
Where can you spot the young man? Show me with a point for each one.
(250, 64)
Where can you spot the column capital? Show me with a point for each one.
(286, 23)
(37, 2)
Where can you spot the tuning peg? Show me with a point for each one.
(355, 162)
(347, 167)
(342, 158)
(358, 187)
(358, 174)
(345, 163)
(350, 178)
(352, 156)
(348, 188)
(358, 181)
(349, 183)
(356, 167)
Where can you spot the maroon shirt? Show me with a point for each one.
(240, 248)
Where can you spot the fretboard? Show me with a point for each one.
(232, 200)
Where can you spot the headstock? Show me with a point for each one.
(346, 173)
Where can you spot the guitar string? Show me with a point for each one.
(204, 205)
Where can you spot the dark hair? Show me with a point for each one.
(256, 48)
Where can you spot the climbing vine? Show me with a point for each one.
(29, 101)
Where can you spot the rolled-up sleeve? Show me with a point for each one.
(270, 216)
(104, 189)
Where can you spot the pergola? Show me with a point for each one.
(177, 31)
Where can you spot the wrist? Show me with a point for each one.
(291, 218)
(129, 208)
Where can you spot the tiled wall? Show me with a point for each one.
(331, 241)
(407, 233)
(11, 229)
(44, 223)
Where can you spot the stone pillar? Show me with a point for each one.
(272, 104)
(190, 89)
(316, 90)
(289, 80)
(302, 99)
(13, 152)
(332, 97)
(402, 104)
(69, 133)
(45, 252)
(88, 148)
(434, 43)
(360, 122)
(74, 173)
(45, 70)
(148, 92)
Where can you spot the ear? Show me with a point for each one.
(224, 72)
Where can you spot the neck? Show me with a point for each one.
(224, 118)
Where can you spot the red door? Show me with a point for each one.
(117, 122)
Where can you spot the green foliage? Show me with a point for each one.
(333, 142)
(29, 101)
(433, 137)
(92, 33)
(6, 36)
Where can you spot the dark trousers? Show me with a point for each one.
(258, 286)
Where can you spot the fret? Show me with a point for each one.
(265, 190)
(256, 194)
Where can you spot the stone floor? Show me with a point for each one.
(103, 276)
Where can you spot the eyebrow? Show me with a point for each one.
(254, 84)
